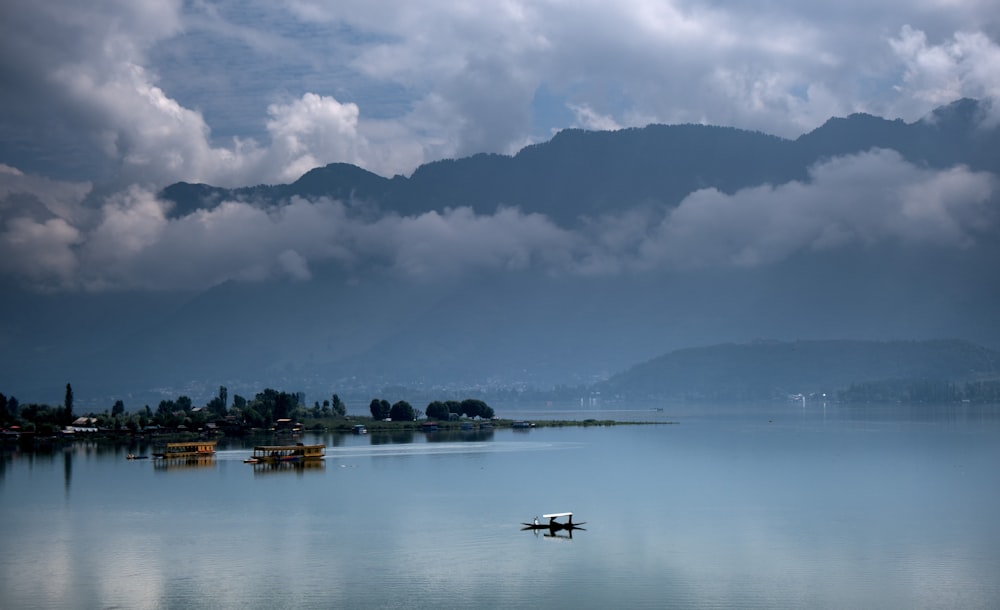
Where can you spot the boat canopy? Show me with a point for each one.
(556, 515)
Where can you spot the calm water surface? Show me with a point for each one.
(773, 507)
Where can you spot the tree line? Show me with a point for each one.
(261, 411)
(439, 410)
(923, 391)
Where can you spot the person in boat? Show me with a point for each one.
(536, 520)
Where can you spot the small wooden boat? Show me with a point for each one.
(136, 457)
(552, 524)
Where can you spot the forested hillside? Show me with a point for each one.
(912, 371)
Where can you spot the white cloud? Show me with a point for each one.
(588, 119)
(39, 251)
(39, 227)
(454, 242)
(309, 132)
(860, 200)
(967, 65)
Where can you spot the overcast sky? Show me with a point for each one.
(131, 95)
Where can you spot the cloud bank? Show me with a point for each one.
(132, 242)
(127, 96)
(143, 92)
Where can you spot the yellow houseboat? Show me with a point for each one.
(187, 451)
(273, 454)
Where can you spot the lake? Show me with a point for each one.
(775, 506)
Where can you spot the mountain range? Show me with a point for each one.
(677, 237)
(823, 370)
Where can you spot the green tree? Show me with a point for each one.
(217, 406)
(13, 407)
(379, 409)
(118, 408)
(264, 405)
(168, 414)
(339, 408)
(284, 404)
(401, 411)
(4, 413)
(68, 406)
(438, 410)
(476, 408)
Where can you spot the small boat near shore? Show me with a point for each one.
(136, 457)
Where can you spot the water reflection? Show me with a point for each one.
(67, 468)
(401, 437)
(562, 531)
(300, 468)
(188, 463)
(459, 436)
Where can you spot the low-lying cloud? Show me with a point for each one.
(132, 241)
(860, 200)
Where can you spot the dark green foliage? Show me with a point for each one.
(217, 406)
(401, 411)
(11, 407)
(918, 391)
(472, 407)
(379, 409)
(67, 417)
(118, 408)
(437, 410)
(339, 409)
(272, 405)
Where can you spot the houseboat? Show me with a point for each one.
(191, 450)
(273, 454)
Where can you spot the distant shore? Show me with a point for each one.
(338, 425)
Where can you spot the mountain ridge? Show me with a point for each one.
(774, 369)
(365, 325)
(598, 170)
